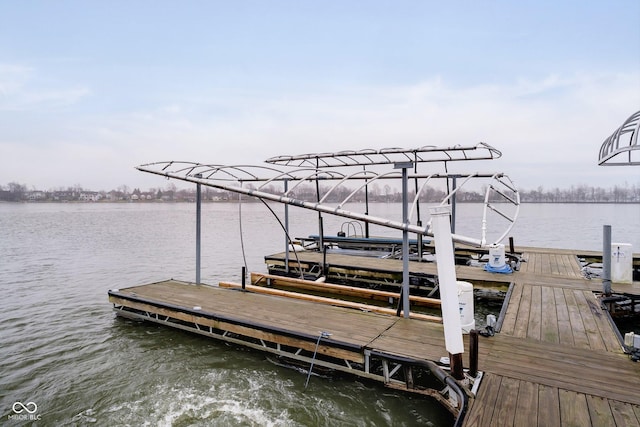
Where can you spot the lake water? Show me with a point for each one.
(63, 349)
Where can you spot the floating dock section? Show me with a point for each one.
(555, 360)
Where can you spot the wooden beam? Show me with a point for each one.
(330, 301)
(260, 279)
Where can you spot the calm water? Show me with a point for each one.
(62, 348)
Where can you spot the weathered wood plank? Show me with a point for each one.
(527, 406)
(577, 325)
(562, 313)
(482, 411)
(599, 411)
(535, 313)
(509, 323)
(548, 407)
(588, 319)
(522, 320)
(505, 411)
(573, 409)
(546, 263)
(624, 414)
(549, 325)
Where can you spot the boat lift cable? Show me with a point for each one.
(244, 256)
(286, 232)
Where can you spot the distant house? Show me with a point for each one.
(63, 196)
(36, 195)
(89, 196)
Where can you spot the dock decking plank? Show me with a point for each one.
(482, 411)
(549, 325)
(599, 411)
(527, 406)
(573, 409)
(580, 338)
(509, 322)
(522, 319)
(505, 411)
(565, 332)
(624, 414)
(535, 313)
(549, 406)
(583, 298)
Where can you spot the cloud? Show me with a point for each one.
(548, 129)
(22, 89)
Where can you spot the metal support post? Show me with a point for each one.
(286, 229)
(405, 237)
(606, 260)
(198, 229)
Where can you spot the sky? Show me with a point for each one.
(91, 89)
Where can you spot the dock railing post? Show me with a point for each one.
(441, 224)
(606, 260)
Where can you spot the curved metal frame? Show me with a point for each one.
(427, 153)
(232, 177)
(617, 145)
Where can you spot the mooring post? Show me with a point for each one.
(473, 353)
(198, 226)
(606, 260)
(457, 370)
(244, 277)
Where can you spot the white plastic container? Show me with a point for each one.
(496, 256)
(621, 263)
(632, 340)
(465, 297)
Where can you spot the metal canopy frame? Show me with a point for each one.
(429, 153)
(622, 148)
(312, 168)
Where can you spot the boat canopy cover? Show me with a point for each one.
(622, 148)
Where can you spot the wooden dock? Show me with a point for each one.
(555, 361)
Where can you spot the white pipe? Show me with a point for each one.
(441, 224)
(312, 206)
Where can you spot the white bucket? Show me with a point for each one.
(465, 297)
(496, 256)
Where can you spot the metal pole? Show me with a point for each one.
(405, 237)
(453, 205)
(366, 208)
(606, 260)
(198, 228)
(286, 228)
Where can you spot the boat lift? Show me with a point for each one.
(501, 195)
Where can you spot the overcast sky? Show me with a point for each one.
(90, 89)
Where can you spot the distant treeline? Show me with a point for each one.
(14, 192)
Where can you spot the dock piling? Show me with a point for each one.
(473, 353)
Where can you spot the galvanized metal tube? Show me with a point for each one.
(606, 260)
(198, 228)
(405, 247)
